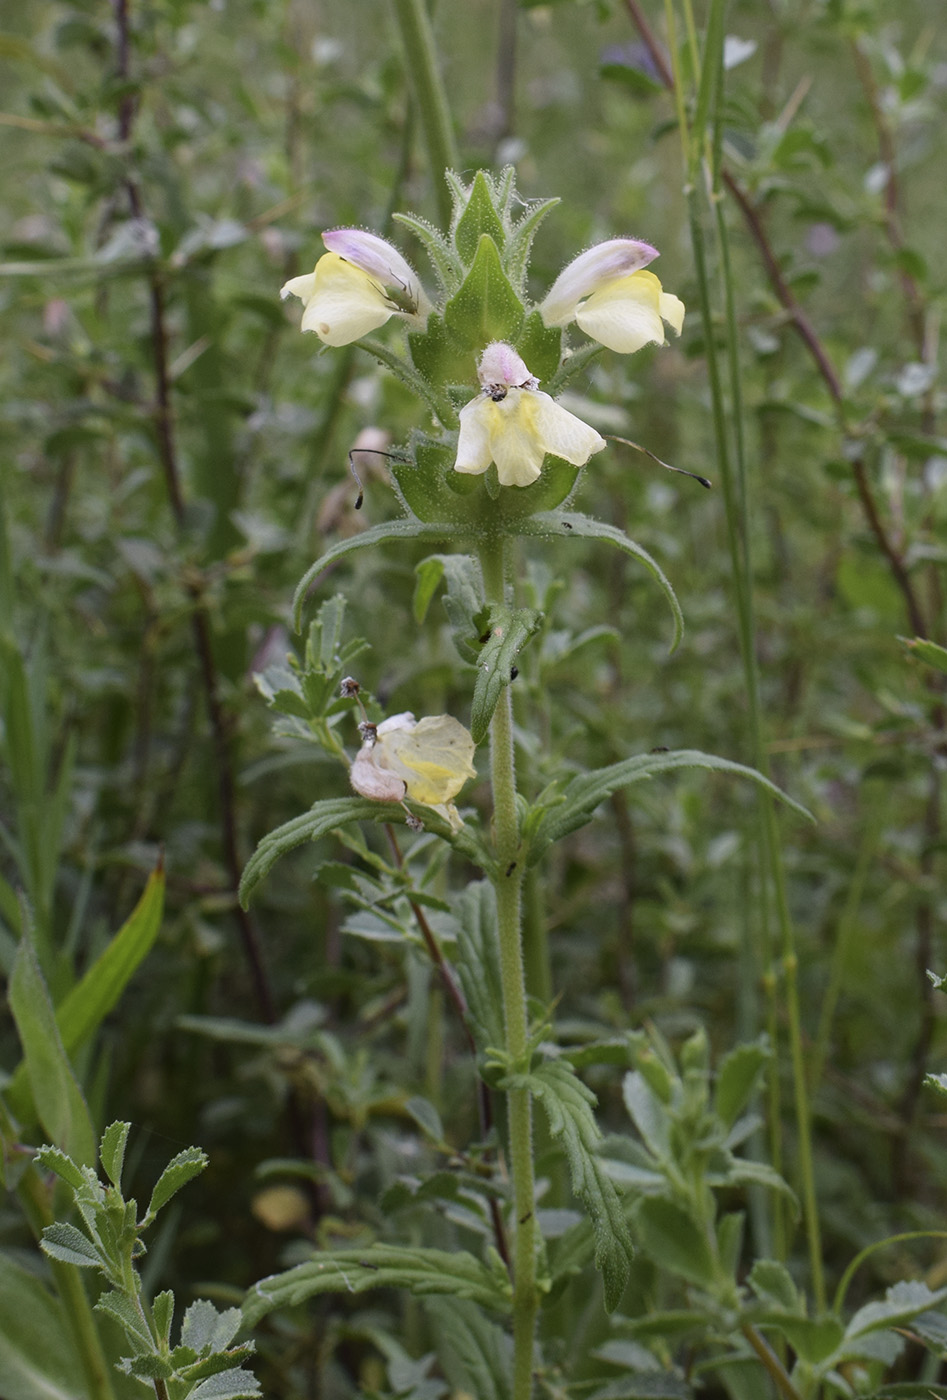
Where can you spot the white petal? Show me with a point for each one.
(515, 441)
(381, 260)
(625, 314)
(434, 757)
(473, 440)
(672, 311)
(606, 261)
(345, 303)
(563, 434)
(405, 720)
(299, 287)
(369, 780)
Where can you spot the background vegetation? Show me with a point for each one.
(174, 456)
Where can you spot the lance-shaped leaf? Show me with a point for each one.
(233, 1384)
(475, 1353)
(379, 534)
(424, 1272)
(112, 1151)
(179, 1171)
(568, 1106)
(572, 526)
(70, 1246)
(38, 1360)
(86, 1006)
(582, 795)
(326, 816)
(58, 1099)
(505, 631)
(674, 1240)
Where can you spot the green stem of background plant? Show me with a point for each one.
(700, 144)
(427, 89)
(509, 884)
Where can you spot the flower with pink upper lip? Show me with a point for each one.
(606, 291)
(426, 760)
(358, 285)
(511, 422)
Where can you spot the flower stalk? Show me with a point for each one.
(509, 885)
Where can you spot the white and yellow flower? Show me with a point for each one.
(511, 422)
(426, 760)
(606, 291)
(359, 284)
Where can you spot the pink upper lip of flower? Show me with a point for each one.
(379, 258)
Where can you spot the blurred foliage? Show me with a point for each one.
(174, 457)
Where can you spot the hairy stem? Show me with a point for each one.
(508, 884)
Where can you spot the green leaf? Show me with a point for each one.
(112, 1151)
(122, 1309)
(814, 1339)
(568, 1106)
(227, 1385)
(479, 218)
(505, 632)
(583, 794)
(772, 1282)
(572, 526)
(97, 992)
(463, 599)
(426, 1116)
(517, 251)
(379, 534)
(162, 1312)
(37, 1356)
(674, 1240)
(441, 356)
(475, 1354)
(446, 264)
(928, 652)
(486, 308)
(424, 1272)
(206, 1329)
(70, 1246)
(324, 817)
(56, 1094)
(53, 1159)
(648, 1113)
(902, 1302)
(737, 1078)
(540, 347)
(179, 1171)
(478, 951)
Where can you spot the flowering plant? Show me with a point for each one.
(500, 460)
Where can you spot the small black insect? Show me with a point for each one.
(497, 392)
(514, 672)
(510, 868)
(661, 748)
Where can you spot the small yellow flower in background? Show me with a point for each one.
(358, 285)
(609, 296)
(427, 760)
(511, 422)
